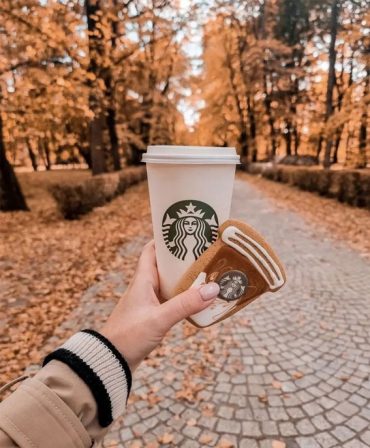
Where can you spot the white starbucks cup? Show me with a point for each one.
(190, 189)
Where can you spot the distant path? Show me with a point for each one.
(292, 367)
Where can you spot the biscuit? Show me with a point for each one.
(244, 266)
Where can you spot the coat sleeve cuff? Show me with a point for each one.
(104, 370)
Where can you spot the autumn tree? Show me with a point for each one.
(292, 28)
(334, 19)
(20, 53)
(286, 77)
(89, 81)
(11, 197)
(132, 79)
(364, 119)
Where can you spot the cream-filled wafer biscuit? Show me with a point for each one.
(244, 266)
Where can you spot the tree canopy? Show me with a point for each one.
(97, 81)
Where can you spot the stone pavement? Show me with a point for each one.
(292, 367)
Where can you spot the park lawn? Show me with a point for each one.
(47, 262)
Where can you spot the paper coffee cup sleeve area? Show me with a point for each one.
(244, 266)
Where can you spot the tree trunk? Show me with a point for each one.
(133, 155)
(96, 145)
(319, 147)
(96, 46)
(288, 142)
(11, 196)
(335, 9)
(350, 81)
(32, 155)
(338, 137)
(111, 123)
(271, 121)
(146, 121)
(252, 130)
(47, 155)
(296, 139)
(109, 94)
(340, 92)
(44, 153)
(349, 154)
(362, 144)
(293, 124)
(244, 148)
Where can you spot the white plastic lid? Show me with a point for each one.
(191, 155)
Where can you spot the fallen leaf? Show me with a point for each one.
(70, 255)
(278, 444)
(191, 422)
(170, 376)
(263, 398)
(205, 439)
(166, 438)
(225, 443)
(276, 384)
(208, 410)
(136, 444)
(297, 375)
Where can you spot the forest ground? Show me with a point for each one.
(341, 221)
(47, 262)
(57, 276)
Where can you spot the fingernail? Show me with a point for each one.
(209, 291)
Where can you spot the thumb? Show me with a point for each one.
(187, 303)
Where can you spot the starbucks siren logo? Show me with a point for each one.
(189, 228)
(232, 285)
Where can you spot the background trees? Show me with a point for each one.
(93, 81)
(97, 81)
(287, 78)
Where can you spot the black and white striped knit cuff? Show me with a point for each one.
(101, 366)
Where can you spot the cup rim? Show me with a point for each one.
(221, 155)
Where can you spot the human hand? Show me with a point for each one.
(139, 321)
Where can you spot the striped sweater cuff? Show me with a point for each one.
(101, 366)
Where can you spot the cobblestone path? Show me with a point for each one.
(293, 367)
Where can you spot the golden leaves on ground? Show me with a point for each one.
(166, 438)
(205, 439)
(341, 221)
(208, 409)
(48, 263)
(191, 422)
(225, 443)
(152, 445)
(189, 389)
(278, 444)
(276, 384)
(136, 444)
(263, 398)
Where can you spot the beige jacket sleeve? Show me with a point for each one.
(53, 409)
